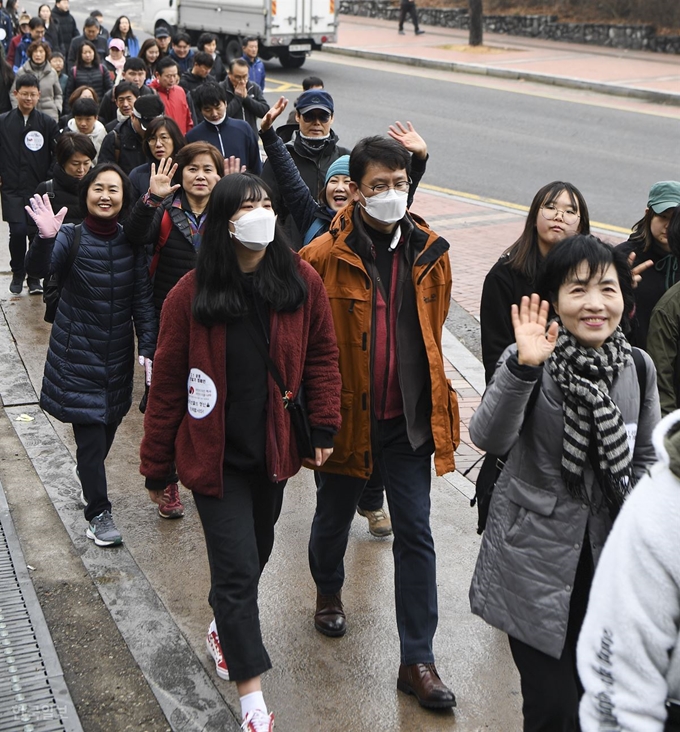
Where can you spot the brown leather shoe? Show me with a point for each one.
(329, 617)
(422, 680)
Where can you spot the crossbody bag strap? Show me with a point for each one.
(271, 366)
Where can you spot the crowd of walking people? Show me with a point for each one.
(291, 315)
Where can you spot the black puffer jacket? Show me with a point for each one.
(95, 76)
(91, 356)
(177, 257)
(67, 29)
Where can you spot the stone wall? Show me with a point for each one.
(634, 37)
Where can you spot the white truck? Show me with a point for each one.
(286, 29)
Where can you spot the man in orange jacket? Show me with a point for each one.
(166, 85)
(388, 278)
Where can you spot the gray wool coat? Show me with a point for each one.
(535, 531)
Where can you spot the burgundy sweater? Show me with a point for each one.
(184, 419)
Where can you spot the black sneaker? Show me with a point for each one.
(34, 286)
(420, 32)
(17, 284)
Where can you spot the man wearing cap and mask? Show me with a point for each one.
(123, 145)
(313, 148)
(388, 278)
(23, 35)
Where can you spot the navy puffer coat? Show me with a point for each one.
(90, 360)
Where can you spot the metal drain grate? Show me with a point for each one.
(33, 695)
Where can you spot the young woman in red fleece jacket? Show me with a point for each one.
(214, 409)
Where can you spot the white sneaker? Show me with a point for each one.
(258, 721)
(76, 475)
(215, 650)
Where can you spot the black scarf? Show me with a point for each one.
(585, 377)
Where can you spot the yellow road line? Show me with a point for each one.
(508, 204)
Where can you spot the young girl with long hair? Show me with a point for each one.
(214, 410)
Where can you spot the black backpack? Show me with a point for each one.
(55, 282)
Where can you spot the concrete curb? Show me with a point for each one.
(601, 87)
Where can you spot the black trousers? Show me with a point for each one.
(408, 8)
(406, 476)
(18, 231)
(239, 536)
(551, 689)
(93, 442)
(372, 496)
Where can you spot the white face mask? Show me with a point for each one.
(255, 229)
(387, 207)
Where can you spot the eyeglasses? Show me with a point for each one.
(160, 138)
(550, 211)
(28, 95)
(316, 116)
(402, 186)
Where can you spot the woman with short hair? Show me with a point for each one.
(38, 64)
(573, 408)
(105, 299)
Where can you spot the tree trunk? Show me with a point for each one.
(476, 20)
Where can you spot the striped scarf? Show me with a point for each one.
(585, 377)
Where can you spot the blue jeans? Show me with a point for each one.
(406, 477)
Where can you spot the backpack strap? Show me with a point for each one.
(49, 187)
(641, 371)
(166, 228)
(116, 145)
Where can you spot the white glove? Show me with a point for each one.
(46, 220)
(148, 368)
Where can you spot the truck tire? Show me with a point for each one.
(292, 61)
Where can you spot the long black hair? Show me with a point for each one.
(524, 256)
(220, 284)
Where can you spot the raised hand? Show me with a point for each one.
(534, 344)
(233, 165)
(273, 113)
(409, 138)
(160, 182)
(46, 220)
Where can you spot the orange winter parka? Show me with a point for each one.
(351, 292)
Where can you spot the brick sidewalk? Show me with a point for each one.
(627, 73)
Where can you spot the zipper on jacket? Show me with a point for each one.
(351, 307)
(364, 340)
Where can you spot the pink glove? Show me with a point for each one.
(46, 220)
(148, 367)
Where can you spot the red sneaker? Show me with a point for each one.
(215, 650)
(173, 508)
(258, 721)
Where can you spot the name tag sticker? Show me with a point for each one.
(202, 394)
(34, 140)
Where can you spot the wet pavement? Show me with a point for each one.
(129, 624)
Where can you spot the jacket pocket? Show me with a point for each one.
(529, 501)
(454, 416)
(530, 497)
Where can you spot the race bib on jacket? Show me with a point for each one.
(34, 140)
(202, 394)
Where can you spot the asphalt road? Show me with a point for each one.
(505, 144)
(501, 143)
